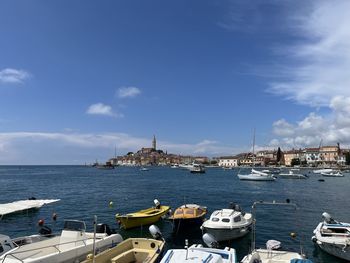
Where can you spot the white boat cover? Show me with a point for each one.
(23, 205)
(273, 244)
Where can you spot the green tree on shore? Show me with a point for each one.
(347, 158)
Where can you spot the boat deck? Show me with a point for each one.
(23, 205)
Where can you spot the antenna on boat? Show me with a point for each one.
(94, 243)
(186, 247)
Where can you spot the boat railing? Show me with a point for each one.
(254, 206)
(55, 246)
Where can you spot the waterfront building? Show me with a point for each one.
(312, 156)
(290, 155)
(228, 161)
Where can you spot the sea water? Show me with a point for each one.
(86, 191)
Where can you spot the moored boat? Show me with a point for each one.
(188, 215)
(333, 174)
(271, 254)
(135, 250)
(197, 168)
(291, 175)
(228, 224)
(199, 254)
(256, 175)
(143, 217)
(333, 237)
(71, 246)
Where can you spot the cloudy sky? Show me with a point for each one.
(81, 78)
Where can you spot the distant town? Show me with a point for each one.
(329, 156)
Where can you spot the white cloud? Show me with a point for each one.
(10, 75)
(316, 74)
(321, 59)
(102, 109)
(331, 129)
(128, 92)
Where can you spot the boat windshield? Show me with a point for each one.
(74, 225)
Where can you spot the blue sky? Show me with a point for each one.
(78, 78)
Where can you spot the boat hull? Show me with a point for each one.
(251, 177)
(225, 234)
(336, 250)
(182, 224)
(142, 218)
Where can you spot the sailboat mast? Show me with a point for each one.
(253, 147)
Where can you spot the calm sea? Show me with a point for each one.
(86, 191)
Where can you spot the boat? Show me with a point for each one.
(143, 217)
(291, 175)
(326, 170)
(6, 243)
(143, 169)
(333, 174)
(174, 166)
(333, 237)
(188, 215)
(24, 205)
(256, 175)
(199, 254)
(72, 245)
(228, 224)
(197, 168)
(271, 254)
(135, 250)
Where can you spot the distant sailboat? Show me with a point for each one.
(255, 175)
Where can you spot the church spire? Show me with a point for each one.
(154, 143)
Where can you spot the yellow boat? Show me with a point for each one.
(143, 217)
(132, 250)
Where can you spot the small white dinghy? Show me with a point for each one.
(256, 175)
(333, 237)
(199, 254)
(332, 174)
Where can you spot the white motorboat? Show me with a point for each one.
(175, 165)
(327, 170)
(333, 237)
(271, 254)
(197, 168)
(71, 246)
(332, 174)
(143, 169)
(199, 254)
(256, 175)
(6, 243)
(291, 175)
(227, 224)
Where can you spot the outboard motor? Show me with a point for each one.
(210, 241)
(156, 203)
(104, 228)
(231, 205)
(328, 219)
(238, 208)
(155, 232)
(45, 231)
